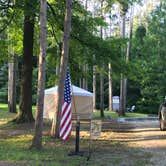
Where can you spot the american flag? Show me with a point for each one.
(66, 114)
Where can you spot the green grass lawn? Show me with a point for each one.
(114, 115)
(16, 139)
(96, 115)
(4, 114)
(4, 109)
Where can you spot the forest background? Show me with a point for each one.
(94, 43)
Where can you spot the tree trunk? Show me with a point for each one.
(101, 73)
(84, 82)
(128, 54)
(85, 66)
(130, 35)
(110, 76)
(94, 87)
(122, 82)
(63, 68)
(12, 85)
(110, 85)
(25, 103)
(80, 79)
(11, 77)
(37, 139)
(102, 92)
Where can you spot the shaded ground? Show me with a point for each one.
(137, 143)
(120, 144)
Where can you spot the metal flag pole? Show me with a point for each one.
(77, 138)
(90, 139)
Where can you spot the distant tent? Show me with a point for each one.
(82, 102)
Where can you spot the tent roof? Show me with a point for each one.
(76, 91)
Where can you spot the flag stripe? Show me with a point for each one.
(67, 128)
(64, 106)
(66, 119)
(66, 113)
(63, 128)
(68, 132)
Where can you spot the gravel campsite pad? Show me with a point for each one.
(135, 143)
(130, 144)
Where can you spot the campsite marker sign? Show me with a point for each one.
(95, 132)
(95, 129)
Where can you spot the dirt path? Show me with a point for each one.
(120, 144)
(149, 138)
(136, 144)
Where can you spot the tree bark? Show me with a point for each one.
(110, 85)
(122, 82)
(85, 82)
(101, 73)
(94, 87)
(110, 76)
(130, 35)
(63, 68)
(37, 139)
(12, 87)
(12, 80)
(25, 103)
(102, 92)
(128, 54)
(123, 97)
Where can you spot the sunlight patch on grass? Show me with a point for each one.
(17, 138)
(54, 152)
(114, 115)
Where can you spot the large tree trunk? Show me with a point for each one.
(85, 66)
(110, 76)
(130, 35)
(102, 73)
(123, 80)
(25, 103)
(110, 85)
(128, 52)
(37, 139)
(12, 85)
(102, 92)
(11, 77)
(123, 95)
(12, 64)
(63, 68)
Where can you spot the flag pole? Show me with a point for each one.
(90, 139)
(77, 130)
(77, 151)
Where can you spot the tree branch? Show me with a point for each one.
(5, 5)
(7, 24)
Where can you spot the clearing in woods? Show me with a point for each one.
(121, 144)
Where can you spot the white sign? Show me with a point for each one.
(95, 128)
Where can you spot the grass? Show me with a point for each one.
(4, 109)
(15, 141)
(3, 113)
(54, 154)
(114, 115)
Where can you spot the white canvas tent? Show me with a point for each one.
(82, 102)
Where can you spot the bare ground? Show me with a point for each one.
(120, 144)
(149, 138)
(139, 143)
